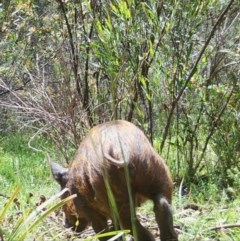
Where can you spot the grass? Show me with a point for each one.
(205, 212)
(23, 167)
(24, 170)
(201, 220)
(200, 215)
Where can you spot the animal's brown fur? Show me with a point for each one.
(105, 154)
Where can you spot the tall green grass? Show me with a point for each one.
(29, 218)
(22, 166)
(24, 176)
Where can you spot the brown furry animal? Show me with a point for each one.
(116, 155)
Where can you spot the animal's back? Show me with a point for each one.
(123, 141)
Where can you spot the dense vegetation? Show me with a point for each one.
(171, 67)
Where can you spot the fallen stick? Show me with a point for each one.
(236, 225)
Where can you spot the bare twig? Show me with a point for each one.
(234, 225)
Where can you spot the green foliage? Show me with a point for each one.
(22, 166)
(227, 148)
(29, 220)
(206, 213)
(116, 235)
(6, 206)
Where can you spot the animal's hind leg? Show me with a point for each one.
(164, 219)
(125, 217)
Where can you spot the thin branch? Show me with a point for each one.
(235, 225)
(73, 50)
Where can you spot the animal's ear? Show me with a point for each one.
(60, 173)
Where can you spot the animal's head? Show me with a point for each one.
(60, 174)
